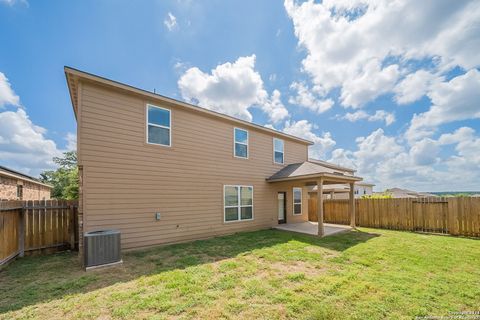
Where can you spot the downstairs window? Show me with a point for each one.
(238, 203)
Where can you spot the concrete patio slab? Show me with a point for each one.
(310, 227)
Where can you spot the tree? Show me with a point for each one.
(65, 179)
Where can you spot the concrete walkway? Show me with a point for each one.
(311, 227)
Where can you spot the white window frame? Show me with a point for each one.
(283, 152)
(238, 206)
(245, 144)
(159, 126)
(293, 201)
(20, 191)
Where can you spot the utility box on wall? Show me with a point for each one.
(102, 248)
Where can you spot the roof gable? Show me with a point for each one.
(75, 76)
(307, 169)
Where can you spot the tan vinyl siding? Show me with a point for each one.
(126, 180)
(288, 188)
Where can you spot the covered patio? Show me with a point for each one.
(311, 227)
(312, 173)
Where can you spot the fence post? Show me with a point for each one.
(71, 225)
(21, 231)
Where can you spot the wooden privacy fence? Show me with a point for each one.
(42, 226)
(455, 216)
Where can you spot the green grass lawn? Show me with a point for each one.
(365, 274)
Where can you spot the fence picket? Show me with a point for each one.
(42, 229)
(455, 216)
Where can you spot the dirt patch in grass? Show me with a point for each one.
(298, 267)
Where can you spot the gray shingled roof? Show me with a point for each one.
(306, 168)
(331, 165)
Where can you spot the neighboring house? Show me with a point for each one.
(341, 191)
(363, 189)
(15, 185)
(405, 193)
(163, 171)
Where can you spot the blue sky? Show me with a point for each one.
(390, 89)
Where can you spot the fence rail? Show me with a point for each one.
(28, 227)
(455, 216)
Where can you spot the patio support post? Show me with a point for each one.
(320, 207)
(352, 205)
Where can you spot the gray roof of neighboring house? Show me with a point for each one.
(410, 192)
(307, 169)
(338, 188)
(331, 165)
(16, 174)
(366, 184)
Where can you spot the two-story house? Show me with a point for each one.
(163, 171)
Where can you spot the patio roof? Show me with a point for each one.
(311, 170)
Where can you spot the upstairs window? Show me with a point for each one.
(241, 143)
(238, 203)
(297, 200)
(158, 126)
(278, 153)
(19, 192)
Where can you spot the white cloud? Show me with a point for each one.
(461, 134)
(424, 152)
(180, 66)
(270, 126)
(382, 115)
(415, 86)
(274, 108)
(232, 88)
(378, 158)
(467, 145)
(365, 47)
(7, 96)
(344, 158)
(468, 158)
(457, 99)
(371, 83)
(379, 115)
(13, 2)
(170, 21)
(23, 144)
(354, 116)
(374, 148)
(383, 160)
(304, 129)
(71, 139)
(306, 98)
